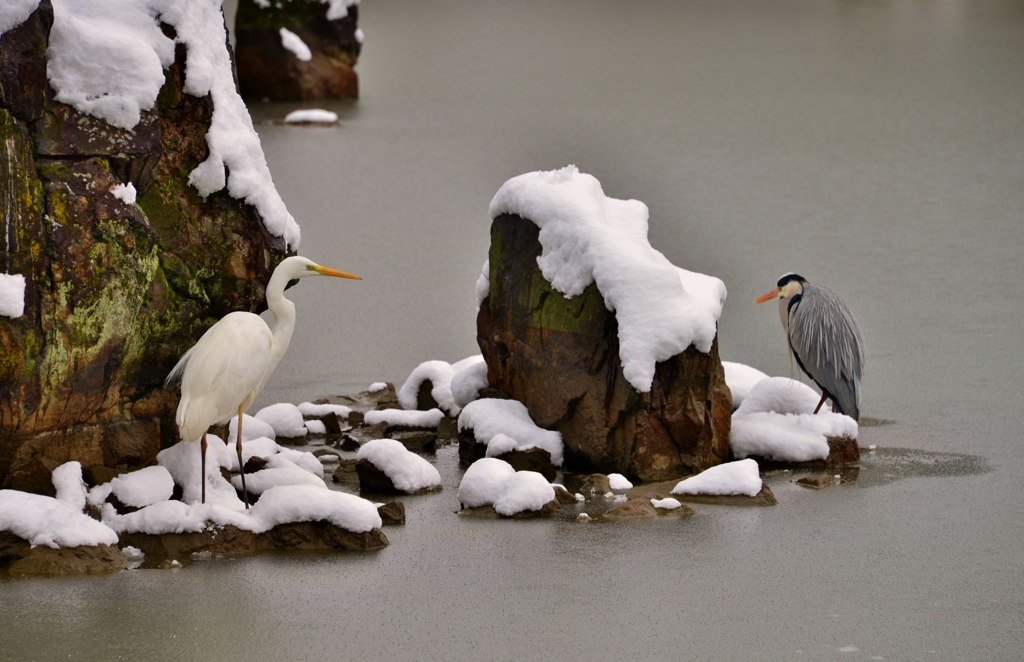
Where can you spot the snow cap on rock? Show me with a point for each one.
(490, 417)
(408, 471)
(741, 477)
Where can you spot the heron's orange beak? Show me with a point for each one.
(326, 271)
(769, 296)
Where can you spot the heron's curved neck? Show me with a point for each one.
(284, 314)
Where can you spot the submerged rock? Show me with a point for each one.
(642, 508)
(559, 357)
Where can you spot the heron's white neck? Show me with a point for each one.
(284, 314)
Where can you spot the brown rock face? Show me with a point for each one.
(267, 69)
(18, 558)
(560, 358)
(115, 293)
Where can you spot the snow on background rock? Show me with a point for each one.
(125, 193)
(106, 59)
(440, 374)
(489, 417)
(776, 422)
(294, 43)
(12, 295)
(403, 418)
(587, 237)
(731, 478)
(740, 379)
(408, 471)
(310, 409)
(467, 383)
(284, 417)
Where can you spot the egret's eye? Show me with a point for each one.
(310, 267)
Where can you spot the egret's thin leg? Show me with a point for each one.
(202, 465)
(241, 467)
(824, 396)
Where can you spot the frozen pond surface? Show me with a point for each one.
(874, 147)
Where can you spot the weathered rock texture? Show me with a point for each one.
(268, 69)
(560, 358)
(115, 293)
(18, 558)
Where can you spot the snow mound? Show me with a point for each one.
(12, 295)
(407, 470)
(490, 417)
(523, 490)
(500, 444)
(467, 383)
(440, 374)
(740, 379)
(71, 490)
(137, 489)
(403, 418)
(285, 418)
(311, 116)
(667, 503)
(310, 409)
(43, 520)
(281, 474)
(775, 422)
(780, 395)
(619, 482)
(316, 427)
(377, 387)
(482, 483)
(287, 457)
(252, 428)
(741, 477)
(183, 461)
(587, 237)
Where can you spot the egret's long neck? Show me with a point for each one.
(284, 312)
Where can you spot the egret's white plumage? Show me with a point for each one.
(222, 374)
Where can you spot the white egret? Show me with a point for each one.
(825, 339)
(222, 374)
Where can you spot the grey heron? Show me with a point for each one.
(825, 339)
(222, 374)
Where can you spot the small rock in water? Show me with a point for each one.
(818, 482)
(392, 512)
(596, 483)
(169, 564)
(583, 517)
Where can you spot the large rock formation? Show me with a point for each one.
(266, 69)
(559, 357)
(115, 292)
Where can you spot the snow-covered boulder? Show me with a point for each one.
(137, 489)
(482, 483)
(404, 470)
(598, 334)
(511, 493)
(252, 428)
(732, 478)
(284, 418)
(741, 378)
(429, 386)
(488, 418)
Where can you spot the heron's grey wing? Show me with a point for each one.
(826, 338)
(221, 371)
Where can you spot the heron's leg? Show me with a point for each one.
(202, 464)
(824, 396)
(241, 467)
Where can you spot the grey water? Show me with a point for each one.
(875, 147)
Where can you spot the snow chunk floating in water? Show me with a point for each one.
(408, 471)
(775, 422)
(137, 489)
(294, 43)
(310, 409)
(482, 483)
(490, 417)
(440, 374)
(587, 237)
(619, 482)
(12, 295)
(252, 428)
(467, 383)
(285, 418)
(125, 193)
(490, 481)
(403, 418)
(106, 59)
(741, 477)
(311, 116)
(740, 379)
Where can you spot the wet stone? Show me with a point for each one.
(392, 513)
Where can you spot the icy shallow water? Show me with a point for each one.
(876, 148)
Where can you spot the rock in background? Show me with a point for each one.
(560, 358)
(115, 292)
(266, 69)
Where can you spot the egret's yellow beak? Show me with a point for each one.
(768, 296)
(326, 271)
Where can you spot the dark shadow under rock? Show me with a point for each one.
(230, 540)
(532, 459)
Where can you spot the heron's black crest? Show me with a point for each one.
(789, 278)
